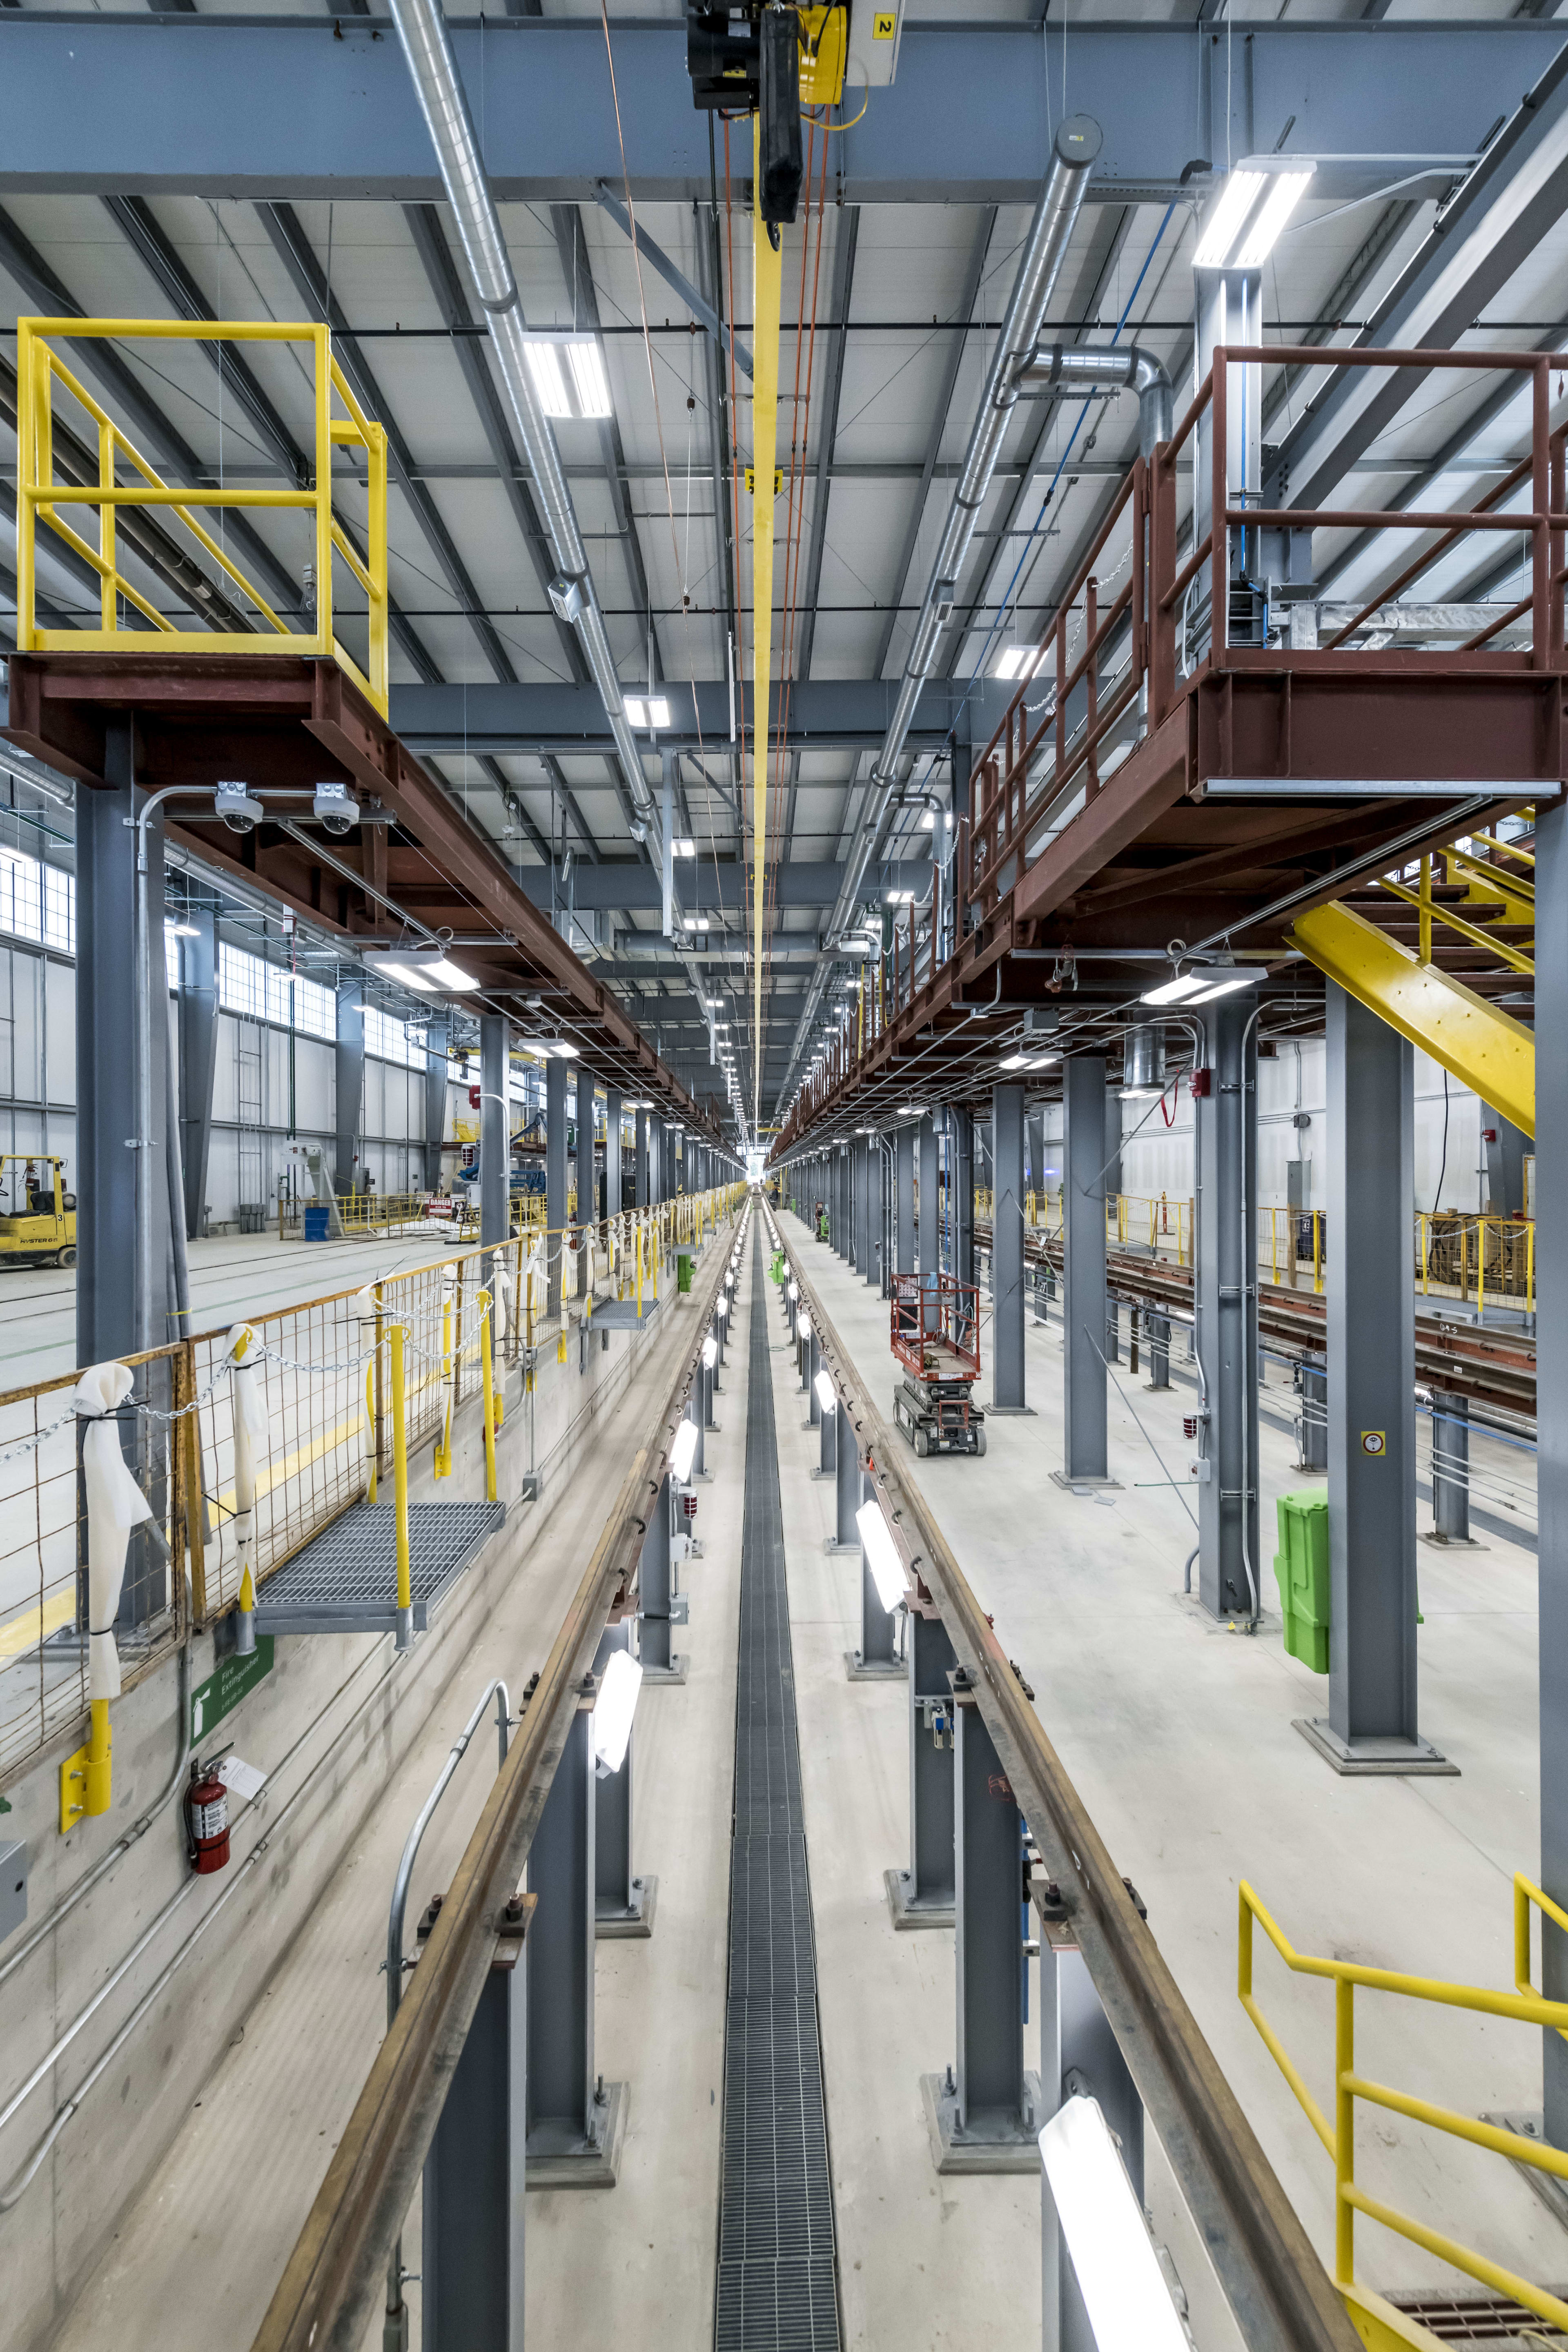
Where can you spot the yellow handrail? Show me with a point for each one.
(40, 497)
(1525, 2005)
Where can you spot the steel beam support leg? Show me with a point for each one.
(961, 1193)
(656, 1583)
(1371, 1719)
(1314, 1412)
(847, 1482)
(1007, 1250)
(1227, 1283)
(930, 1200)
(989, 2118)
(904, 1247)
(875, 1660)
(1158, 1327)
(1085, 1456)
(623, 1905)
(555, 1178)
(471, 2266)
(1450, 1467)
(572, 2123)
(813, 1366)
(922, 1895)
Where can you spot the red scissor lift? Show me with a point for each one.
(936, 1338)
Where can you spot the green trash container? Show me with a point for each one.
(1302, 1568)
(685, 1265)
(777, 1267)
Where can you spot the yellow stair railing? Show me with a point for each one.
(127, 479)
(1379, 2323)
(1473, 1039)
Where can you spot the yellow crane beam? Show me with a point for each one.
(767, 270)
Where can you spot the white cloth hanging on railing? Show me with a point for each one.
(366, 1310)
(115, 1504)
(252, 1441)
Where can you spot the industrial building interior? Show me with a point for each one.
(770, 1435)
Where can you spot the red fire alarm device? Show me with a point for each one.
(473, 1097)
(1489, 1135)
(1201, 1083)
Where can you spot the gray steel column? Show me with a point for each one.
(1007, 1250)
(813, 1366)
(1085, 1453)
(992, 2104)
(1227, 1310)
(875, 1660)
(198, 1060)
(611, 1150)
(1371, 1120)
(1112, 1154)
(107, 1175)
(639, 1162)
(1314, 1411)
(1505, 1158)
(561, 2115)
(1552, 1431)
(930, 1200)
(554, 1179)
(873, 1268)
(655, 1586)
(495, 1118)
(841, 1201)
(827, 1454)
(472, 2233)
(1077, 2041)
(904, 1220)
(922, 1895)
(623, 1905)
(350, 1063)
(1035, 1137)
(1158, 1327)
(961, 1193)
(657, 1167)
(437, 1047)
(1450, 1467)
(846, 1535)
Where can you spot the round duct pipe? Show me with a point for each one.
(1144, 1059)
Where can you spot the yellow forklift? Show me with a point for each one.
(37, 1216)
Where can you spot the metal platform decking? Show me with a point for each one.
(345, 1581)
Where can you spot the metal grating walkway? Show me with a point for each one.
(777, 2289)
(345, 1581)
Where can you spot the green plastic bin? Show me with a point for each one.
(685, 1266)
(1302, 1569)
(777, 1268)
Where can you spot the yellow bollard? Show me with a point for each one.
(370, 1419)
(400, 1493)
(489, 1396)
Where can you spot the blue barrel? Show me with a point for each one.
(315, 1221)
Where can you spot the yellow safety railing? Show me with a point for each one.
(1460, 1256)
(1525, 2005)
(354, 1385)
(127, 479)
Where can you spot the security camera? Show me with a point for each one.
(238, 809)
(335, 810)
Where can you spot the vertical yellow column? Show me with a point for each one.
(767, 270)
(400, 1495)
(489, 1396)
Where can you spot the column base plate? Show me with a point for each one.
(674, 1672)
(907, 1912)
(833, 1546)
(638, 1920)
(878, 1670)
(560, 2158)
(1359, 1757)
(1011, 1412)
(1450, 1543)
(987, 2144)
(1085, 1486)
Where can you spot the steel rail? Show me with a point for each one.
(1282, 2297)
(333, 2284)
(1491, 1367)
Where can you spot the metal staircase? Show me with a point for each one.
(1444, 951)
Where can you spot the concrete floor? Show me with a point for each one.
(1178, 1733)
(1178, 1736)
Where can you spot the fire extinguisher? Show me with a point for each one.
(206, 1820)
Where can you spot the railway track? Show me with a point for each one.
(1490, 1367)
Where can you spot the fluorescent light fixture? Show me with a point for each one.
(911, 1110)
(928, 820)
(612, 1711)
(682, 845)
(881, 1556)
(696, 923)
(589, 382)
(1030, 1061)
(723, 1309)
(182, 930)
(1231, 206)
(709, 1353)
(425, 969)
(683, 1451)
(1014, 661)
(1140, 1094)
(1277, 206)
(557, 1046)
(826, 1395)
(1186, 985)
(1128, 2305)
(714, 1002)
(651, 710)
(900, 898)
(568, 374)
(1227, 987)
(791, 1292)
